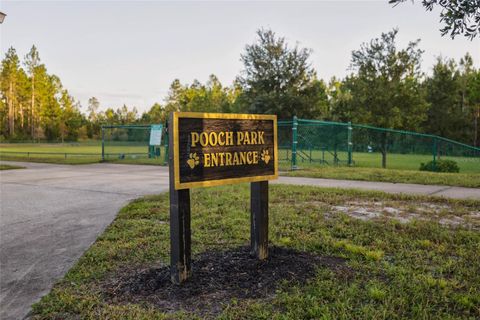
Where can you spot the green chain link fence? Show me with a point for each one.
(311, 143)
(131, 142)
(306, 143)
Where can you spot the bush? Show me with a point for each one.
(440, 166)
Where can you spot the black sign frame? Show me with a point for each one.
(225, 116)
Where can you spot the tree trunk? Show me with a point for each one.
(384, 150)
(32, 108)
(475, 127)
(11, 112)
(22, 115)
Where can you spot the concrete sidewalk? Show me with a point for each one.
(388, 187)
(50, 214)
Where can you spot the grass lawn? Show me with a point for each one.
(387, 257)
(374, 160)
(76, 153)
(9, 167)
(471, 180)
(87, 147)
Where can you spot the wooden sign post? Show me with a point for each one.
(210, 149)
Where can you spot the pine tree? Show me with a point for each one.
(9, 86)
(32, 63)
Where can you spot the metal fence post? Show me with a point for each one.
(350, 144)
(166, 147)
(294, 143)
(434, 151)
(103, 143)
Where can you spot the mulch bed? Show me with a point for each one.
(217, 278)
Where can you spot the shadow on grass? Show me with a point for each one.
(218, 278)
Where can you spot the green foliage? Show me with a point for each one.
(386, 89)
(453, 94)
(197, 97)
(458, 16)
(440, 166)
(34, 104)
(278, 79)
(385, 86)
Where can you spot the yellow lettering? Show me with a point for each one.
(254, 137)
(249, 157)
(260, 137)
(247, 138)
(222, 156)
(238, 158)
(206, 159)
(255, 157)
(195, 138)
(212, 138)
(214, 159)
(235, 161)
(240, 137)
(243, 157)
(221, 138)
(229, 141)
(228, 159)
(204, 139)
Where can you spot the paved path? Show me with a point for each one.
(50, 214)
(407, 188)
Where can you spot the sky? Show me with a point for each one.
(129, 52)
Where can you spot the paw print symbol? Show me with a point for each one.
(265, 156)
(193, 160)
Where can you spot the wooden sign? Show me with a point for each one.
(213, 149)
(209, 149)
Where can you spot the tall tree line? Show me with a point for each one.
(34, 104)
(385, 87)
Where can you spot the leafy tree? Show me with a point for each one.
(72, 119)
(156, 114)
(279, 79)
(445, 117)
(453, 92)
(93, 106)
(23, 95)
(385, 87)
(458, 16)
(218, 96)
(93, 126)
(339, 97)
(9, 85)
(211, 97)
(50, 112)
(126, 115)
(474, 94)
(470, 97)
(32, 62)
(110, 116)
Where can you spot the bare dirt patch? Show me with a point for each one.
(408, 212)
(218, 278)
